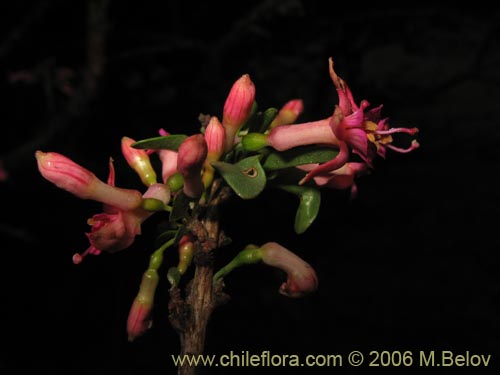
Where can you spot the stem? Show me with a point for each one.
(190, 316)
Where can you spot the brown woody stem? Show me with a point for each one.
(190, 316)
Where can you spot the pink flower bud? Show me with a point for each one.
(69, 176)
(301, 276)
(191, 156)
(215, 136)
(237, 108)
(288, 113)
(139, 318)
(139, 161)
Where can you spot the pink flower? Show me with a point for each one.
(301, 276)
(69, 176)
(350, 128)
(191, 156)
(237, 108)
(139, 318)
(115, 229)
(139, 161)
(288, 114)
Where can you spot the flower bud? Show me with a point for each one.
(139, 318)
(237, 108)
(139, 161)
(186, 249)
(288, 113)
(191, 156)
(215, 138)
(69, 176)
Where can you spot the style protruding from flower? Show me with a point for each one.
(301, 277)
(139, 161)
(237, 108)
(191, 156)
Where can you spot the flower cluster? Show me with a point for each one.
(247, 151)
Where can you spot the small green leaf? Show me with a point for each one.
(298, 156)
(180, 206)
(246, 178)
(259, 121)
(168, 142)
(310, 201)
(267, 117)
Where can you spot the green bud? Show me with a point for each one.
(153, 204)
(175, 182)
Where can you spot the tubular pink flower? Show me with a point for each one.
(139, 161)
(286, 137)
(237, 108)
(302, 278)
(358, 130)
(139, 318)
(191, 156)
(288, 114)
(69, 176)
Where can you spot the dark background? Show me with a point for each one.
(411, 264)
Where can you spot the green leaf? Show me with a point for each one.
(259, 121)
(168, 142)
(246, 178)
(310, 201)
(298, 156)
(180, 206)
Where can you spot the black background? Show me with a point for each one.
(411, 264)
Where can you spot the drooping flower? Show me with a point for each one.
(301, 279)
(237, 108)
(115, 228)
(190, 158)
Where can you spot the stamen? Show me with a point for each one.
(414, 145)
(411, 131)
(78, 258)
